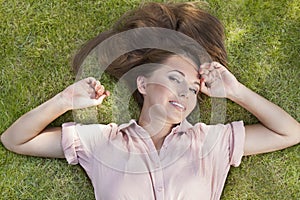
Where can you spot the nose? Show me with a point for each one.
(183, 89)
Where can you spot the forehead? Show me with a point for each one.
(182, 64)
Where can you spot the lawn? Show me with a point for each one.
(39, 38)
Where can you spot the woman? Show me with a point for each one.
(161, 155)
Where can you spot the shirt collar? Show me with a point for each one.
(180, 128)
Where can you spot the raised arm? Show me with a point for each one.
(29, 135)
(276, 130)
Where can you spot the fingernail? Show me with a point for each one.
(107, 93)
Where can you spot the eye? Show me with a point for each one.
(193, 90)
(173, 78)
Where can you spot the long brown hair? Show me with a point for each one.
(186, 18)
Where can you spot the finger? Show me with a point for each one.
(204, 89)
(99, 100)
(100, 90)
(216, 65)
(219, 67)
(208, 79)
(90, 80)
(93, 84)
(97, 89)
(203, 68)
(103, 91)
(203, 71)
(207, 66)
(97, 85)
(107, 93)
(207, 69)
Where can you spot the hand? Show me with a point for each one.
(84, 93)
(217, 81)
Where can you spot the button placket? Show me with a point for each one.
(157, 177)
(159, 183)
(156, 171)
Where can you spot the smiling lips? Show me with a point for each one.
(178, 105)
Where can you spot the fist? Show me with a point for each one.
(84, 93)
(217, 81)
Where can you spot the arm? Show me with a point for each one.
(276, 130)
(29, 135)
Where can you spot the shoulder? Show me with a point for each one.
(219, 134)
(235, 126)
(222, 141)
(95, 129)
(87, 131)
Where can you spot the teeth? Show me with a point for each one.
(177, 104)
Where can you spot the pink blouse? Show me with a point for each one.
(122, 161)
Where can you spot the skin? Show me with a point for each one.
(277, 129)
(170, 95)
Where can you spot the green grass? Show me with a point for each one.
(38, 39)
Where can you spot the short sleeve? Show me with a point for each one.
(70, 142)
(79, 142)
(236, 142)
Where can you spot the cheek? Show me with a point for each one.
(164, 84)
(159, 92)
(164, 92)
(192, 102)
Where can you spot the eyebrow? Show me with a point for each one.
(175, 70)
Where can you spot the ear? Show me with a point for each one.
(141, 82)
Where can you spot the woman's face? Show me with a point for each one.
(171, 91)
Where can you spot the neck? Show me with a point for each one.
(157, 128)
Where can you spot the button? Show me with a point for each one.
(160, 188)
(157, 165)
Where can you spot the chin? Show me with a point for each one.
(176, 119)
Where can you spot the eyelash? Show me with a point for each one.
(193, 90)
(177, 81)
(174, 79)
